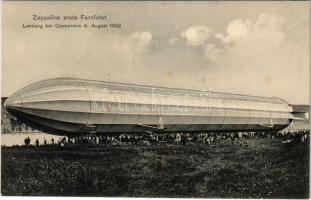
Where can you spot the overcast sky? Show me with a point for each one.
(256, 48)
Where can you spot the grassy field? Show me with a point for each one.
(260, 168)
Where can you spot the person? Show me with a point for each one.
(183, 140)
(44, 141)
(208, 140)
(37, 142)
(52, 140)
(27, 141)
(61, 142)
(232, 137)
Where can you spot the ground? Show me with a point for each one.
(254, 168)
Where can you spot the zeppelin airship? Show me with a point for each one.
(67, 106)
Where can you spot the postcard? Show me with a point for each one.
(182, 99)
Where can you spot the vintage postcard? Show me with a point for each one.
(185, 99)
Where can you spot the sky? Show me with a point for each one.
(254, 48)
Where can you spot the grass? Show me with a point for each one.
(260, 168)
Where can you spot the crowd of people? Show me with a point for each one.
(177, 138)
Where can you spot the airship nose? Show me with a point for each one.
(13, 103)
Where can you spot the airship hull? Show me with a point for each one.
(74, 106)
